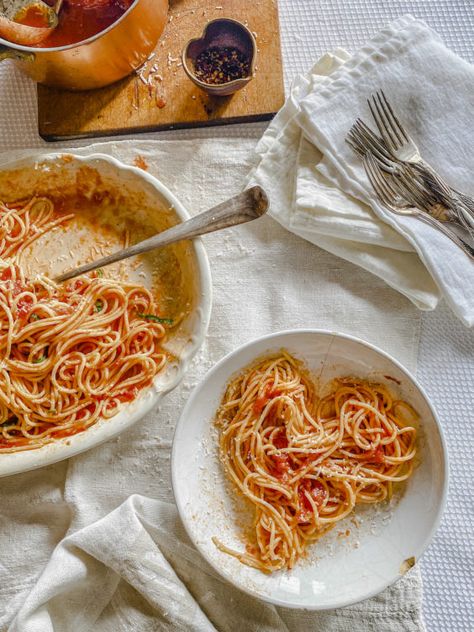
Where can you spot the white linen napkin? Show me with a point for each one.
(95, 543)
(318, 187)
(136, 570)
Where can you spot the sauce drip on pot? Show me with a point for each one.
(81, 19)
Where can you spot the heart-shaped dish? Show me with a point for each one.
(222, 33)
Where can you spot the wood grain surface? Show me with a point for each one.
(161, 96)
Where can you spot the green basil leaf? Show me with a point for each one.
(157, 319)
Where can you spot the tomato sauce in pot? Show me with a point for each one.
(79, 20)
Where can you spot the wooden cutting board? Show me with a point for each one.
(161, 96)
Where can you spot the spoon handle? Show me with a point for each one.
(245, 207)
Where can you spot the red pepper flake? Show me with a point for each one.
(221, 64)
(76, 286)
(17, 288)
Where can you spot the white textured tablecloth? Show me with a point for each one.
(309, 28)
(125, 554)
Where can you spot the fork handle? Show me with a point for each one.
(467, 200)
(245, 207)
(462, 205)
(428, 219)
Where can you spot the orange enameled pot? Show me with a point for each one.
(99, 60)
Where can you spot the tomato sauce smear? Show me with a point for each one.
(263, 400)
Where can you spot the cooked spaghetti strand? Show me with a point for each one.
(69, 354)
(303, 462)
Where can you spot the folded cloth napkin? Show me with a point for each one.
(139, 561)
(318, 187)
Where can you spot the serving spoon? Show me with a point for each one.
(12, 12)
(245, 207)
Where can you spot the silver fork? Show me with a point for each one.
(391, 198)
(403, 148)
(408, 183)
(362, 139)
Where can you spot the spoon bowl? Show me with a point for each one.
(14, 30)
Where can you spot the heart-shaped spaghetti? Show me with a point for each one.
(305, 462)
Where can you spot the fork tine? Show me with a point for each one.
(377, 181)
(387, 120)
(371, 142)
(388, 181)
(357, 138)
(385, 185)
(370, 133)
(354, 144)
(372, 178)
(382, 126)
(395, 122)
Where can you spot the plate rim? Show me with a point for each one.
(19, 462)
(182, 423)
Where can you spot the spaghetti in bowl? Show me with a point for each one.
(130, 330)
(368, 534)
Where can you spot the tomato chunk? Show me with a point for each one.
(280, 441)
(128, 395)
(377, 455)
(263, 400)
(23, 307)
(317, 492)
(281, 465)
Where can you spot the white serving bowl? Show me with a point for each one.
(338, 570)
(129, 198)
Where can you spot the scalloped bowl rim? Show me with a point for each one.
(104, 430)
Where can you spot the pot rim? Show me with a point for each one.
(40, 49)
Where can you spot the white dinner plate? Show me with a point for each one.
(342, 568)
(120, 202)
